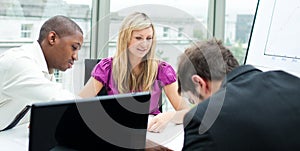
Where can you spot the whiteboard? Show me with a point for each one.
(275, 38)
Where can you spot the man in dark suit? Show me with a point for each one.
(240, 107)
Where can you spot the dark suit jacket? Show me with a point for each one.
(253, 110)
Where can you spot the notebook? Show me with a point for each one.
(113, 122)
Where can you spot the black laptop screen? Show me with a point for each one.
(116, 122)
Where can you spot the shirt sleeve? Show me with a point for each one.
(166, 74)
(26, 80)
(24, 83)
(102, 70)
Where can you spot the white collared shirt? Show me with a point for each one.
(25, 80)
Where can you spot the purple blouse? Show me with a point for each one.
(165, 75)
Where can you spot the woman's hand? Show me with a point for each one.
(159, 122)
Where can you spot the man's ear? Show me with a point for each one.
(201, 84)
(52, 37)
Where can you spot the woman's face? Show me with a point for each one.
(141, 42)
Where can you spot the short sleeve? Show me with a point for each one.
(166, 74)
(102, 70)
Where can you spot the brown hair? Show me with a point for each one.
(209, 59)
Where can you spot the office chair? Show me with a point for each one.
(89, 65)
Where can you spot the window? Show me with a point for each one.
(166, 32)
(180, 30)
(178, 23)
(26, 30)
(239, 17)
(58, 76)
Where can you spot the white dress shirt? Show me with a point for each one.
(24, 80)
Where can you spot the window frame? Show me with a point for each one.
(100, 25)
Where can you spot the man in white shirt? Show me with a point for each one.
(27, 71)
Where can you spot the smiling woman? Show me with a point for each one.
(134, 68)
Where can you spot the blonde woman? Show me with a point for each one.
(134, 68)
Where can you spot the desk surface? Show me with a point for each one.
(18, 138)
(171, 137)
(15, 139)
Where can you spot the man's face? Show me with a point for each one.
(65, 51)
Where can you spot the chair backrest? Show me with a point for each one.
(89, 65)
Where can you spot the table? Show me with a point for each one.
(17, 139)
(171, 137)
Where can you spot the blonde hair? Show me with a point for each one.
(125, 79)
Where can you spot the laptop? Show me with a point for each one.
(112, 122)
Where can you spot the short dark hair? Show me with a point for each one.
(209, 59)
(62, 25)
